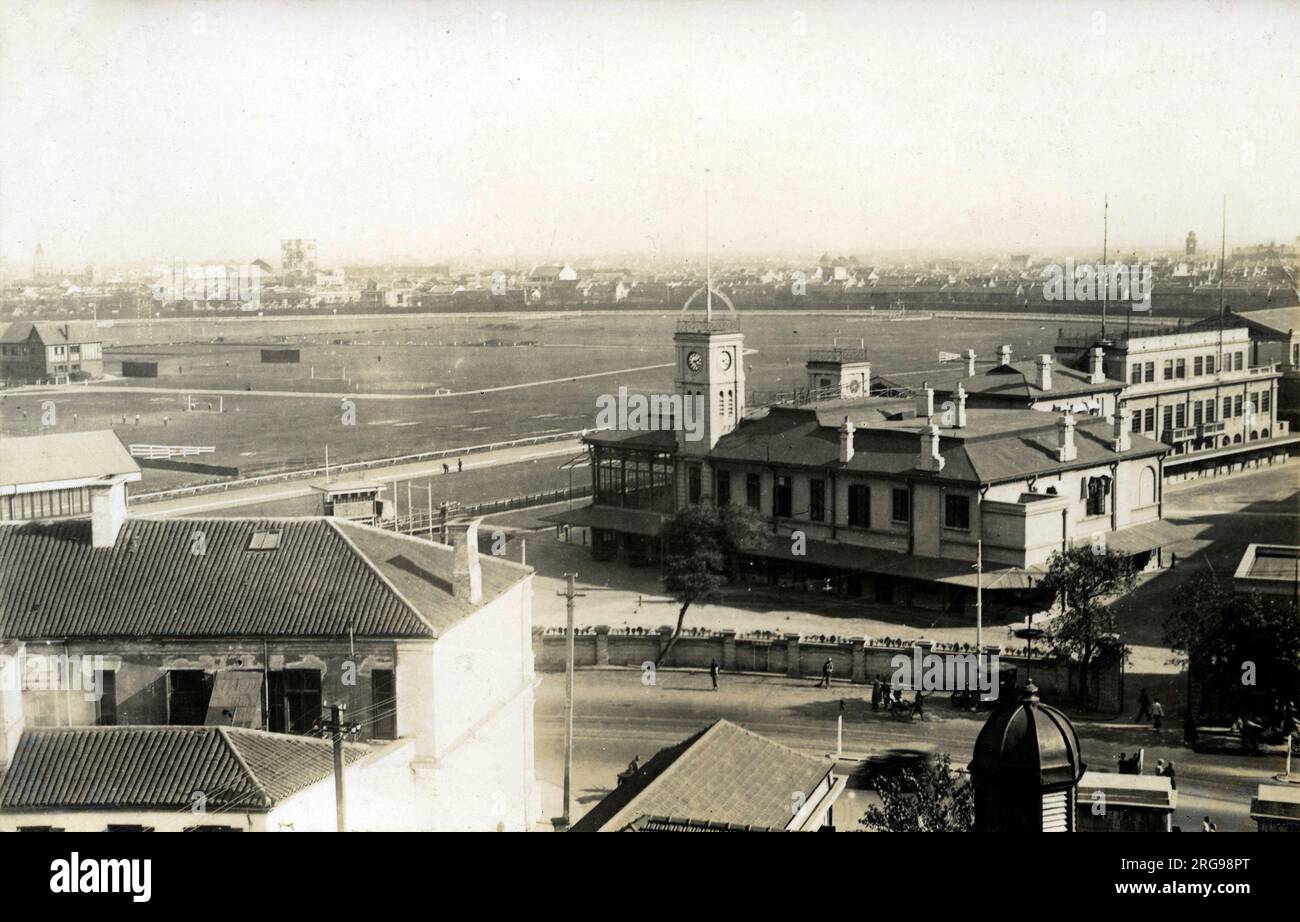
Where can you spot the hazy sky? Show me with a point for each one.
(139, 131)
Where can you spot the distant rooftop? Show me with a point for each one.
(62, 457)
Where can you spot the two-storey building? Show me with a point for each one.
(888, 497)
(33, 353)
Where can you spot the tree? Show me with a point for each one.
(697, 542)
(1246, 646)
(933, 797)
(1084, 579)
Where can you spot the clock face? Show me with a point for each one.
(725, 360)
(694, 361)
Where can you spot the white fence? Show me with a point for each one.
(156, 452)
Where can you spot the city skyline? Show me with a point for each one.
(415, 132)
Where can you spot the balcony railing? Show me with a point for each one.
(841, 355)
(702, 325)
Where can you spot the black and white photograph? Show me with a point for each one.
(632, 416)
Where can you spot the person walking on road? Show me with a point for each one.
(1144, 707)
(875, 696)
(714, 669)
(1157, 714)
(827, 669)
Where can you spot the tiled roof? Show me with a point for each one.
(159, 768)
(80, 456)
(51, 333)
(997, 445)
(323, 579)
(723, 774)
(1019, 381)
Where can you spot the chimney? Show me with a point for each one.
(960, 422)
(1004, 355)
(925, 401)
(1121, 431)
(846, 441)
(1065, 448)
(466, 572)
(931, 460)
(970, 363)
(107, 513)
(1098, 372)
(1045, 372)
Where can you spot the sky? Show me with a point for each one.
(142, 131)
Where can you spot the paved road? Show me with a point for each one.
(617, 717)
(271, 492)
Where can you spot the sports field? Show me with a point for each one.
(431, 382)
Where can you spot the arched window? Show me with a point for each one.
(1147, 487)
(722, 403)
(1263, 433)
(1236, 439)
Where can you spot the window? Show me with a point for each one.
(1227, 408)
(188, 691)
(40, 829)
(383, 704)
(1198, 366)
(1097, 488)
(1266, 401)
(956, 511)
(1168, 422)
(1149, 415)
(724, 488)
(753, 491)
(1150, 369)
(1167, 373)
(693, 484)
(1209, 364)
(1198, 413)
(817, 500)
(1209, 410)
(781, 504)
(859, 506)
(295, 700)
(264, 541)
(902, 511)
(1180, 368)
(1135, 421)
(106, 706)
(1236, 405)
(1135, 374)
(1180, 416)
(1237, 361)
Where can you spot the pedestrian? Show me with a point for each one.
(875, 695)
(919, 707)
(714, 669)
(1144, 707)
(460, 465)
(1160, 767)
(1123, 763)
(827, 669)
(1171, 775)
(445, 468)
(1157, 714)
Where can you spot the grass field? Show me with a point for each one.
(394, 365)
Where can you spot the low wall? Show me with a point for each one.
(854, 659)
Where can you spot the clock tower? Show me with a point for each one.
(710, 375)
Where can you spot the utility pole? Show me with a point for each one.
(979, 598)
(569, 593)
(336, 729)
(1105, 266)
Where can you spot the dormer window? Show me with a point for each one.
(264, 541)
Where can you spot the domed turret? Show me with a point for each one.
(1025, 769)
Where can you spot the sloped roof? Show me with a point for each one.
(723, 774)
(64, 456)
(323, 578)
(995, 446)
(160, 768)
(51, 333)
(1019, 381)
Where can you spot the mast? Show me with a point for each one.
(708, 263)
(1223, 265)
(1105, 273)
